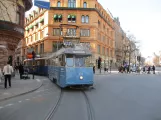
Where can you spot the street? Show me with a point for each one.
(114, 97)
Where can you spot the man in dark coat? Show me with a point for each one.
(21, 71)
(153, 69)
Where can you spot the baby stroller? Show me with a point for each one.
(25, 75)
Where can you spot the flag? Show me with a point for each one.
(42, 4)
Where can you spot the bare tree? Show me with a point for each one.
(130, 47)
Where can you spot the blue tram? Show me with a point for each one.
(40, 66)
(66, 67)
(71, 67)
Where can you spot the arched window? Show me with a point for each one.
(83, 19)
(84, 5)
(72, 3)
(58, 4)
(87, 19)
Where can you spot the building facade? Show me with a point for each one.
(11, 26)
(120, 42)
(71, 21)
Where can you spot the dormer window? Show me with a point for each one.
(84, 5)
(58, 4)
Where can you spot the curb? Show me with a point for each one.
(30, 91)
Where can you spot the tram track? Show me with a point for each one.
(56, 106)
(89, 107)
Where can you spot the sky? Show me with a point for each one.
(142, 18)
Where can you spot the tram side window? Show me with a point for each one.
(62, 60)
(79, 61)
(69, 60)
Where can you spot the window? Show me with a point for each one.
(71, 18)
(103, 50)
(85, 19)
(84, 5)
(58, 4)
(98, 49)
(99, 36)
(36, 49)
(41, 48)
(72, 3)
(41, 34)
(85, 32)
(71, 32)
(18, 18)
(57, 31)
(79, 61)
(107, 52)
(27, 40)
(57, 18)
(99, 24)
(36, 36)
(33, 38)
(69, 60)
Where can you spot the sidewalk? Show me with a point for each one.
(19, 87)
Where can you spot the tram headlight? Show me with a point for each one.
(81, 77)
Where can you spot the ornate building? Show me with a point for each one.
(70, 20)
(11, 26)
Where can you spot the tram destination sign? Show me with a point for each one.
(80, 51)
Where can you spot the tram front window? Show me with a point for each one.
(79, 62)
(70, 61)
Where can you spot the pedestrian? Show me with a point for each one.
(128, 69)
(144, 69)
(149, 70)
(94, 69)
(7, 71)
(21, 71)
(153, 68)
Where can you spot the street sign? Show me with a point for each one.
(42, 4)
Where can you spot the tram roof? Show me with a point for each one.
(76, 50)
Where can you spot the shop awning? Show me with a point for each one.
(69, 16)
(59, 16)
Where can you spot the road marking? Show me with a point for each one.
(8, 105)
(27, 99)
(1, 107)
(38, 80)
(19, 101)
